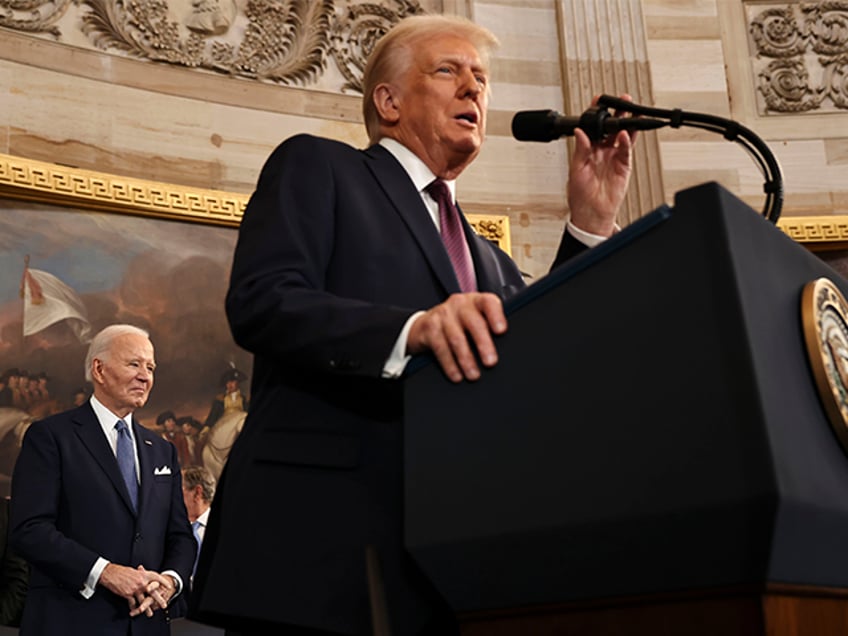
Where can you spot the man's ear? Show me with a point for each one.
(97, 370)
(386, 102)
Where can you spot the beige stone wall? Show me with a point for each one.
(703, 59)
(70, 103)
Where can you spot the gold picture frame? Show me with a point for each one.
(44, 182)
(40, 181)
(817, 233)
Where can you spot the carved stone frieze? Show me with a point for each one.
(355, 33)
(33, 16)
(777, 33)
(289, 42)
(786, 87)
(801, 48)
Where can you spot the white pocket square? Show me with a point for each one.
(165, 470)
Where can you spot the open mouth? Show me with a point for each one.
(469, 117)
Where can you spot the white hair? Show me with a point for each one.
(102, 342)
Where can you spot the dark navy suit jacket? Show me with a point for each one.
(336, 250)
(70, 506)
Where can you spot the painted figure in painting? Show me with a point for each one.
(195, 435)
(172, 433)
(6, 396)
(225, 421)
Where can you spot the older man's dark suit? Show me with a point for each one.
(70, 505)
(335, 252)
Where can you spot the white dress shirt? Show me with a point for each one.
(107, 421)
(421, 177)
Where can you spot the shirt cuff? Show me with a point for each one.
(93, 577)
(398, 358)
(588, 239)
(179, 583)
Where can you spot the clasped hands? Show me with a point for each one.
(145, 590)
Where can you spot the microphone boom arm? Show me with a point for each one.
(730, 130)
(597, 123)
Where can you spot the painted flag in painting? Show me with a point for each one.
(47, 300)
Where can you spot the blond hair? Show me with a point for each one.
(392, 56)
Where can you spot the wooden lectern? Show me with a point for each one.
(650, 455)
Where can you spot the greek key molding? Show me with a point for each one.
(39, 181)
(30, 180)
(817, 232)
(49, 183)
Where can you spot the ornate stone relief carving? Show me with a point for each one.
(33, 16)
(289, 42)
(801, 62)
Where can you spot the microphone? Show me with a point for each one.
(547, 125)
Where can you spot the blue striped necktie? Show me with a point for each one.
(195, 529)
(126, 461)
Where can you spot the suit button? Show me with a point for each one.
(137, 536)
(345, 364)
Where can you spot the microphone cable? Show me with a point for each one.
(730, 130)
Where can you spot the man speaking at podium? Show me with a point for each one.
(348, 262)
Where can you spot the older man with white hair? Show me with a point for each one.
(97, 506)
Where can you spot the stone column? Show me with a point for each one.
(603, 50)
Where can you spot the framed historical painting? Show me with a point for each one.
(82, 250)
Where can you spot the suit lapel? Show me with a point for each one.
(485, 265)
(394, 181)
(91, 435)
(146, 462)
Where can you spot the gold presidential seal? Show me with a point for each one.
(824, 314)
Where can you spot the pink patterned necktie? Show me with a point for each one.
(452, 235)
